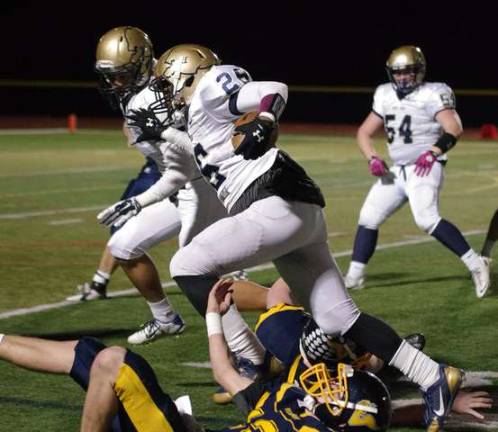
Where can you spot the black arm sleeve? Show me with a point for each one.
(245, 400)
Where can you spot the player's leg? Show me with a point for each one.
(491, 236)
(381, 202)
(129, 245)
(423, 194)
(97, 288)
(268, 228)
(101, 402)
(123, 382)
(38, 354)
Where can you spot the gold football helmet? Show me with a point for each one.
(179, 70)
(406, 68)
(351, 399)
(124, 61)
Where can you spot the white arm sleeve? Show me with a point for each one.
(180, 168)
(251, 94)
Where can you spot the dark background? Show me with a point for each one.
(299, 43)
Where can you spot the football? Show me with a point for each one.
(247, 118)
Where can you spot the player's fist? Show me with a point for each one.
(377, 167)
(118, 214)
(146, 120)
(424, 163)
(253, 138)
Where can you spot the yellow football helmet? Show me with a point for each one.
(180, 69)
(124, 61)
(407, 60)
(350, 400)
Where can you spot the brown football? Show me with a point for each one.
(247, 118)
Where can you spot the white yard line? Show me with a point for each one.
(130, 291)
(26, 215)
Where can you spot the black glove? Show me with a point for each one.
(149, 125)
(257, 138)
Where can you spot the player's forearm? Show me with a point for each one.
(365, 142)
(263, 96)
(166, 186)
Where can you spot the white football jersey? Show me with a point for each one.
(210, 127)
(410, 122)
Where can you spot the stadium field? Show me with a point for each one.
(54, 184)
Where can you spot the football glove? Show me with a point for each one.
(257, 138)
(377, 167)
(118, 214)
(424, 163)
(146, 120)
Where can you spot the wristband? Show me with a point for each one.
(213, 323)
(1, 337)
(445, 142)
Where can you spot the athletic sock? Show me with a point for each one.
(240, 339)
(364, 244)
(101, 277)
(450, 236)
(356, 269)
(488, 247)
(162, 310)
(471, 260)
(417, 366)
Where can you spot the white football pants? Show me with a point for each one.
(421, 192)
(291, 234)
(198, 207)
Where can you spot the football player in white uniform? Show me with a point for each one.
(275, 213)
(124, 62)
(421, 125)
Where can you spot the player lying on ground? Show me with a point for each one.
(422, 125)
(118, 380)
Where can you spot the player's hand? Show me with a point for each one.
(377, 167)
(467, 402)
(146, 120)
(220, 296)
(118, 214)
(424, 163)
(257, 138)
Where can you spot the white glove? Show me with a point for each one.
(118, 214)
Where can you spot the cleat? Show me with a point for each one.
(246, 369)
(241, 275)
(440, 396)
(354, 283)
(480, 276)
(89, 291)
(416, 340)
(155, 329)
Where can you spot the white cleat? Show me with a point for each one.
(154, 329)
(354, 283)
(481, 276)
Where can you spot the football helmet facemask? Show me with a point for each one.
(179, 70)
(124, 61)
(406, 69)
(347, 400)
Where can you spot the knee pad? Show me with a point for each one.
(120, 248)
(427, 221)
(192, 260)
(370, 217)
(337, 320)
